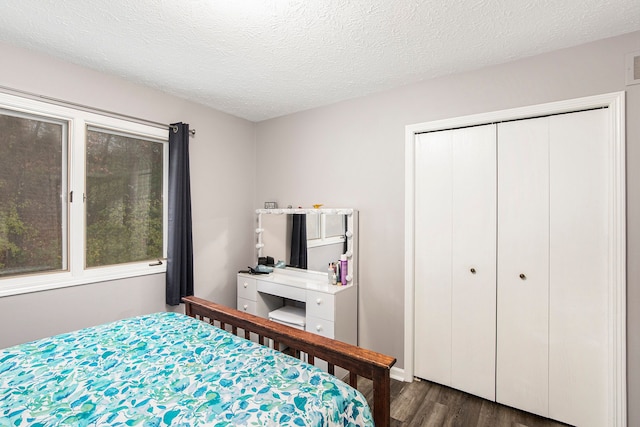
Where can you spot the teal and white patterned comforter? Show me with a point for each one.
(167, 369)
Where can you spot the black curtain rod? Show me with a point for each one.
(62, 102)
(175, 129)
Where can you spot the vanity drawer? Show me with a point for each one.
(320, 326)
(247, 288)
(285, 291)
(246, 306)
(320, 305)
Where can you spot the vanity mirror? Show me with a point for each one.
(324, 234)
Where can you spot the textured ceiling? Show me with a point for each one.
(259, 59)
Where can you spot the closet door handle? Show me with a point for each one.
(522, 276)
(472, 270)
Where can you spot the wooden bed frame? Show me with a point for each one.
(356, 360)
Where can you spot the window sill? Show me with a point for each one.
(50, 281)
(316, 243)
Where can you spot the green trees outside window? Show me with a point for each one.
(124, 198)
(31, 186)
(42, 228)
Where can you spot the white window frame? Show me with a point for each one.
(323, 240)
(74, 161)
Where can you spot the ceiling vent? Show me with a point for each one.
(633, 68)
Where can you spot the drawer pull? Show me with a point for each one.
(246, 306)
(523, 276)
(246, 285)
(319, 301)
(319, 328)
(473, 270)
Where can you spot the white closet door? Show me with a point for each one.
(473, 299)
(578, 269)
(455, 235)
(523, 265)
(433, 220)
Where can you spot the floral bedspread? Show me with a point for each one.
(167, 369)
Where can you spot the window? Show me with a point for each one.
(32, 237)
(81, 196)
(124, 198)
(325, 229)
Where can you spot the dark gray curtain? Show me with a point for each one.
(299, 241)
(180, 242)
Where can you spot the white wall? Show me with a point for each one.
(351, 154)
(222, 185)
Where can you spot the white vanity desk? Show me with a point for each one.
(330, 310)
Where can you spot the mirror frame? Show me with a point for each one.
(351, 234)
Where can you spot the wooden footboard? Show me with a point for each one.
(358, 361)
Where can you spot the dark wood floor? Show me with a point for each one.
(422, 403)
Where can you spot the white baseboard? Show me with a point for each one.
(397, 374)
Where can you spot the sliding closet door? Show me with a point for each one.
(579, 257)
(522, 363)
(455, 258)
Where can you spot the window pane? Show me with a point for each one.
(335, 225)
(124, 198)
(313, 226)
(31, 184)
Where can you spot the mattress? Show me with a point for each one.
(167, 369)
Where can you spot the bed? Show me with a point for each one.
(188, 370)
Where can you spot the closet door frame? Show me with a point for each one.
(617, 392)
